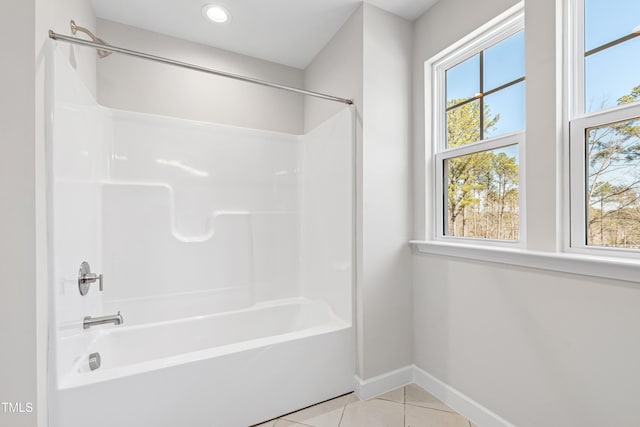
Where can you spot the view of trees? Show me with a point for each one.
(482, 187)
(613, 192)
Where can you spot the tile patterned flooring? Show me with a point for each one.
(408, 406)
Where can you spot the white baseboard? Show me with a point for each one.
(372, 387)
(466, 406)
(366, 389)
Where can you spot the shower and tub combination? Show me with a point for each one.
(202, 274)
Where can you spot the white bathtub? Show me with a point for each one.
(229, 369)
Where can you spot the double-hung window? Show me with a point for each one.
(478, 135)
(604, 112)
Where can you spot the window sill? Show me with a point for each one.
(587, 265)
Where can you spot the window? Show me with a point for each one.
(479, 123)
(605, 127)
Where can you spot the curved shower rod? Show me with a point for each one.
(105, 49)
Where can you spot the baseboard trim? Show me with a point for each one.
(366, 389)
(372, 387)
(458, 401)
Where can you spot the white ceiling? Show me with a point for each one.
(289, 32)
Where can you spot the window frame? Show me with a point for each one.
(549, 250)
(579, 120)
(494, 33)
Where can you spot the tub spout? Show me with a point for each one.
(89, 321)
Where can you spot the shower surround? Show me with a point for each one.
(228, 252)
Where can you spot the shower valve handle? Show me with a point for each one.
(86, 277)
(92, 278)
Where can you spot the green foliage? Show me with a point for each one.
(614, 181)
(463, 123)
(482, 188)
(631, 97)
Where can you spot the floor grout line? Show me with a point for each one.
(404, 406)
(295, 422)
(435, 409)
(292, 421)
(344, 408)
(386, 400)
(282, 417)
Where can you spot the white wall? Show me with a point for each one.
(337, 69)
(23, 247)
(369, 60)
(536, 347)
(543, 47)
(136, 84)
(326, 213)
(53, 15)
(76, 165)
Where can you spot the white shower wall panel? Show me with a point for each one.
(327, 213)
(76, 192)
(276, 258)
(77, 162)
(208, 207)
(211, 168)
(190, 220)
(254, 252)
(156, 261)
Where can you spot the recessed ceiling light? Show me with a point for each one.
(216, 13)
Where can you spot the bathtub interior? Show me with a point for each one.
(189, 219)
(202, 337)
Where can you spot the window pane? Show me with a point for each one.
(482, 199)
(613, 185)
(608, 20)
(611, 74)
(463, 81)
(504, 62)
(504, 111)
(463, 124)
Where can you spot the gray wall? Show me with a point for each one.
(18, 382)
(369, 60)
(536, 347)
(135, 84)
(386, 219)
(337, 70)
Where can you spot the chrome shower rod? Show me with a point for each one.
(110, 48)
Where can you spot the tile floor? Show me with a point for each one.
(408, 406)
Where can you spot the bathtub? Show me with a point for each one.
(227, 369)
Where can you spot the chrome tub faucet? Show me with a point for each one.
(89, 321)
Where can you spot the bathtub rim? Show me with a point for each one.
(75, 378)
